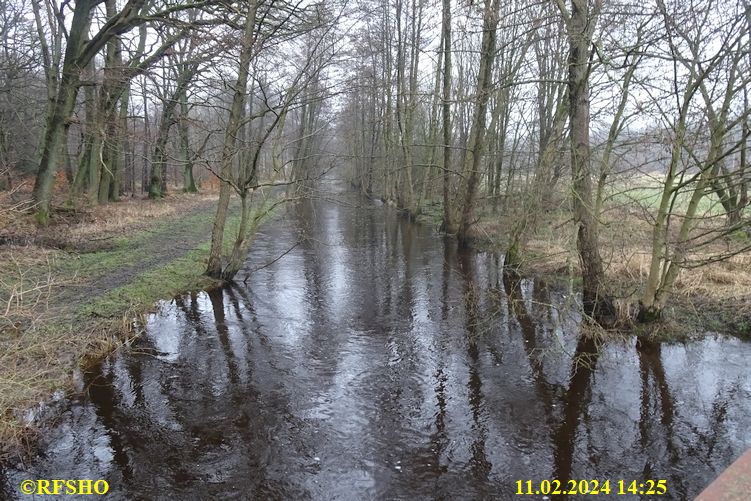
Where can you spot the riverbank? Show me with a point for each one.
(71, 293)
(376, 358)
(711, 298)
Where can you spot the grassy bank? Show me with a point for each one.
(711, 298)
(70, 293)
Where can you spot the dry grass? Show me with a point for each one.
(26, 282)
(134, 214)
(78, 225)
(41, 340)
(37, 351)
(721, 289)
(38, 362)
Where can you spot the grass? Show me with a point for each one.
(649, 197)
(140, 293)
(63, 309)
(125, 250)
(431, 213)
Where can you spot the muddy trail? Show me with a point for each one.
(375, 361)
(130, 256)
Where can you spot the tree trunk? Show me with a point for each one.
(81, 181)
(580, 27)
(158, 180)
(426, 190)
(214, 266)
(61, 110)
(476, 142)
(189, 183)
(448, 222)
(78, 52)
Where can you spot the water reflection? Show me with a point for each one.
(374, 361)
(480, 465)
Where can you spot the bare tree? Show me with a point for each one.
(706, 61)
(80, 49)
(581, 21)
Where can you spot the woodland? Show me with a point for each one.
(605, 142)
(598, 150)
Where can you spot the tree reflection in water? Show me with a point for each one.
(376, 361)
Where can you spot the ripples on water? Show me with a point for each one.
(374, 361)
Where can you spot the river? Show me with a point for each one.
(375, 361)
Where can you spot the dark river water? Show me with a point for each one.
(374, 361)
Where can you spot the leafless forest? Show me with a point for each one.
(512, 122)
(414, 247)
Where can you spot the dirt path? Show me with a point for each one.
(73, 289)
(151, 248)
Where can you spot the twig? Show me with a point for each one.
(247, 276)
